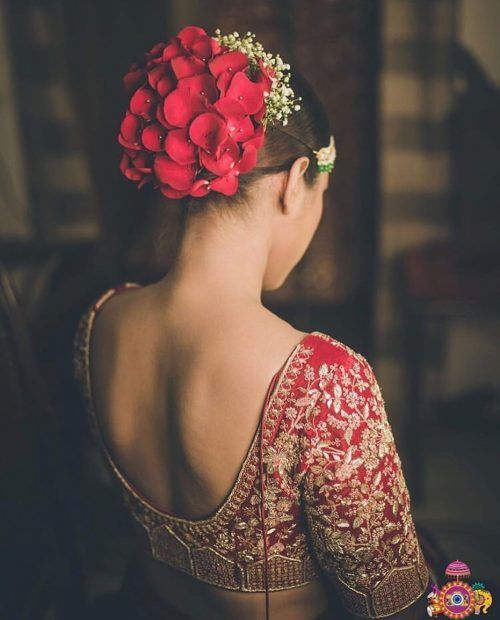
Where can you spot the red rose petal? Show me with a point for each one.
(166, 85)
(153, 137)
(201, 187)
(227, 184)
(208, 130)
(152, 63)
(170, 192)
(172, 50)
(230, 108)
(145, 180)
(248, 159)
(188, 35)
(180, 106)
(231, 62)
(248, 93)
(185, 66)
(203, 84)
(264, 82)
(155, 74)
(169, 171)
(143, 161)
(143, 103)
(180, 147)
(129, 145)
(160, 117)
(245, 131)
(264, 76)
(258, 138)
(133, 78)
(201, 48)
(132, 166)
(130, 152)
(124, 162)
(258, 116)
(229, 155)
(156, 49)
(162, 73)
(223, 82)
(216, 46)
(133, 175)
(130, 128)
(240, 126)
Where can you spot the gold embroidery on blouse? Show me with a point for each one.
(363, 534)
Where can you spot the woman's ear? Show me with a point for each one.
(294, 185)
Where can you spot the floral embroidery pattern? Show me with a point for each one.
(335, 496)
(355, 497)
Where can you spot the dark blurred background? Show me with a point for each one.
(405, 266)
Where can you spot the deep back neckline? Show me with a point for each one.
(248, 469)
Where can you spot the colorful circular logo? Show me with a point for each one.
(456, 599)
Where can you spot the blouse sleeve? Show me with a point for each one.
(355, 498)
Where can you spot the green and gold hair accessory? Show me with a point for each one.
(326, 156)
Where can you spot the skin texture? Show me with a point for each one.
(180, 369)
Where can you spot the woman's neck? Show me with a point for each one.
(224, 260)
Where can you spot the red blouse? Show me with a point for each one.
(322, 476)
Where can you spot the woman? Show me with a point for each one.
(254, 457)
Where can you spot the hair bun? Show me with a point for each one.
(200, 103)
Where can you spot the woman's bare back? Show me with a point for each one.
(178, 391)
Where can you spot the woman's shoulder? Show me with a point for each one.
(98, 301)
(81, 338)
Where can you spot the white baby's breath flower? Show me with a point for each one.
(281, 100)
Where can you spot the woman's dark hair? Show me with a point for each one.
(308, 129)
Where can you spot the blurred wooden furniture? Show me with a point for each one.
(40, 563)
(438, 283)
(459, 277)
